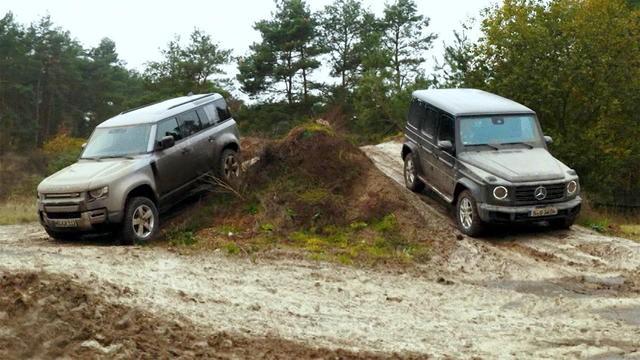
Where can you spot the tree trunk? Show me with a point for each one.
(396, 59)
(304, 76)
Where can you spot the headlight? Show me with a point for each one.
(99, 193)
(572, 187)
(500, 192)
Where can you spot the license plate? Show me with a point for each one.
(545, 211)
(65, 223)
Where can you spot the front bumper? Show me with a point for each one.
(76, 214)
(498, 213)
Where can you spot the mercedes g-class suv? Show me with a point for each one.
(486, 155)
(137, 164)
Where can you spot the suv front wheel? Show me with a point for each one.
(141, 221)
(467, 217)
(411, 179)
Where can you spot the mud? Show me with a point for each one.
(520, 293)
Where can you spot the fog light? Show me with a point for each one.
(572, 187)
(500, 192)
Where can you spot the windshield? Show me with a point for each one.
(499, 130)
(118, 141)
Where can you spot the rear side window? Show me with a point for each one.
(189, 123)
(429, 124)
(204, 118)
(212, 114)
(222, 109)
(446, 129)
(414, 114)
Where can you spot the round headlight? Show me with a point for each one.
(500, 192)
(572, 187)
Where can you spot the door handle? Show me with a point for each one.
(211, 139)
(186, 151)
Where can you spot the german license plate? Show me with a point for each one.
(65, 223)
(545, 211)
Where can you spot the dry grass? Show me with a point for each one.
(18, 211)
(622, 223)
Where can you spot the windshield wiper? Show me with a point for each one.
(519, 143)
(94, 158)
(117, 156)
(494, 147)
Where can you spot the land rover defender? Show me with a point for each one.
(487, 156)
(137, 164)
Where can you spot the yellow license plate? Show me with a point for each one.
(545, 211)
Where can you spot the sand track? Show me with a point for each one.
(521, 293)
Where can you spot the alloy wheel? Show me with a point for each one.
(409, 171)
(231, 167)
(466, 213)
(143, 221)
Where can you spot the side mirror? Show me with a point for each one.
(166, 142)
(445, 145)
(548, 139)
(83, 146)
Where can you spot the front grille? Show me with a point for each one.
(525, 195)
(62, 196)
(63, 215)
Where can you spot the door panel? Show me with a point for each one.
(444, 176)
(427, 145)
(171, 163)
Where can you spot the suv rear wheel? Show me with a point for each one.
(141, 221)
(230, 166)
(411, 179)
(467, 217)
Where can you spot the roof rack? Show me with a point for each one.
(192, 100)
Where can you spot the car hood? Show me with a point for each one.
(86, 175)
(517, 165)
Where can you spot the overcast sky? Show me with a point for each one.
(141, 28)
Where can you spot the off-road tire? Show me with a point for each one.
(62, 236)
(138, 209)
(467, 217)
(562, 224)
(230, 167)
(410, 173)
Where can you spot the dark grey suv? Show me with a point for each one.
(138, 163)
(487, 155)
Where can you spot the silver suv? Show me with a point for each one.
(137, 164)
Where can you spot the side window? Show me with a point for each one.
(222, 109)
(189, 123)
(168, 127)
(446, 129)
(429, 124)
(204, 118)
(414, 114)
(212, 114)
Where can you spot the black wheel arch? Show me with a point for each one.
(467, 184)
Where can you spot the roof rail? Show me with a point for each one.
(192, 100)
(140, 107)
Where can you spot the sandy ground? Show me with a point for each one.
(521, 293)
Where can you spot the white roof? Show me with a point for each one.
(460, 102)
(158, 111)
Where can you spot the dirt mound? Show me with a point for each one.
(314, 178)
(313, 189)
(48, 316)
